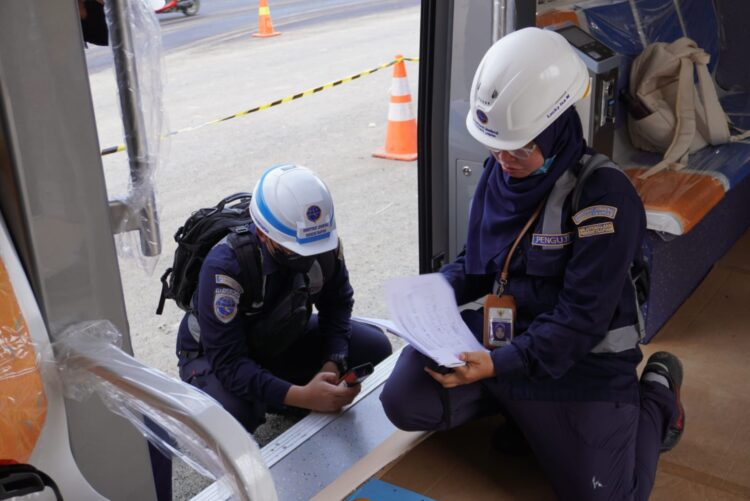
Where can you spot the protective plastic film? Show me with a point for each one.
(176, 418)
(677, 198)
(23, 404)
(627, 26)
(135, 37)
(676, 201)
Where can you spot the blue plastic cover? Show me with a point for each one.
(383, 491)
(614, 24)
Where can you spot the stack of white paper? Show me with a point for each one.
(425, 311)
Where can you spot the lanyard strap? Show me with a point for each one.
(503, 279)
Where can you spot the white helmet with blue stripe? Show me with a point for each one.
(293, 207)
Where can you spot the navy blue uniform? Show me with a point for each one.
(568, 298)
(568, 379)
(215, 344)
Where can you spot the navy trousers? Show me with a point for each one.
(298, 365)
(588, 450)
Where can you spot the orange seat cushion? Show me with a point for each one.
(687, 196)
(23, 405)
(553, 17)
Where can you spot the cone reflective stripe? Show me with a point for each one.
(265, 26)
(401, 135)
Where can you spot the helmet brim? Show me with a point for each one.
(313, 248)
(581, 90)
(490, 142)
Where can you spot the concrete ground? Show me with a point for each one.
(333, 132)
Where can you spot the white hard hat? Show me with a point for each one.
(525, 81)
(292, 206)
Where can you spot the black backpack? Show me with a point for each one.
(202, 230)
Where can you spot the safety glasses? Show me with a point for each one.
(520, 153)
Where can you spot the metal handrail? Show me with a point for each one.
(214, 426)
(123, 217)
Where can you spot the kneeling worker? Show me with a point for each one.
(252, 350)
(554, 232)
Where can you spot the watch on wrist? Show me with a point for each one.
(340, 360)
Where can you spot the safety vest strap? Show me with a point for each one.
(617, 340)
(572, 185)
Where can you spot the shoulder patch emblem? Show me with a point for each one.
(594, 211)
(596, 229)
(229, 282)
(550, 239)
(226, 303)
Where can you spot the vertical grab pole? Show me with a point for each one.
(499, 19)
(142, 194)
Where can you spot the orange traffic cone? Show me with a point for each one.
(265, 26)
(401, 136)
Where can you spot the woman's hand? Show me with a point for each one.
(478, 366)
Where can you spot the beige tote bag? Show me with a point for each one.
(684, 117)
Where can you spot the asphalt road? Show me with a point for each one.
(227, 19)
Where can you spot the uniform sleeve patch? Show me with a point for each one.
(594, 211)
(229, 282)
(550, 239)
(596, 229)
(226, 303)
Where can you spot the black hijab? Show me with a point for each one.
(502, 205)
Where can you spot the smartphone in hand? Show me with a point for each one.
(356, 375)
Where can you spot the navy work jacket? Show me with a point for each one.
(224, 330)
(569, 297)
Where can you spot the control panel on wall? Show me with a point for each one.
(598, 109)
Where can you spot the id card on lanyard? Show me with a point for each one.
(500, 308)
(499, 317)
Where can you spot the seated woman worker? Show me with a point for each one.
(567, 379)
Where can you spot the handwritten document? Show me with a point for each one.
(424, 310)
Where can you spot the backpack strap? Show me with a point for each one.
(328, 260)
(246, 248)
(164, 289)
(638, 271)
(590, 164)
(19, 479)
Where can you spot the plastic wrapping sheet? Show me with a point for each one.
(676, 201)
(737, 107)
(23, 404)
(138, 39)
(161, 408)
(732, 70)
(614, 23)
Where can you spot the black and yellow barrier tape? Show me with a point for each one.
(121, 147)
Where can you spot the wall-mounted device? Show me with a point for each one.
(598, 109)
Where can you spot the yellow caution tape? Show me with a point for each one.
(121, 147)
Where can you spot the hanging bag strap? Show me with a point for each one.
(503, 277)
(685, 127)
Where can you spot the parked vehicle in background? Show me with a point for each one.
(187, 7)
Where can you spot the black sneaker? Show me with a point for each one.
(667, 365)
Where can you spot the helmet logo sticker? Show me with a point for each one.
(482, 116)
(313, 213)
